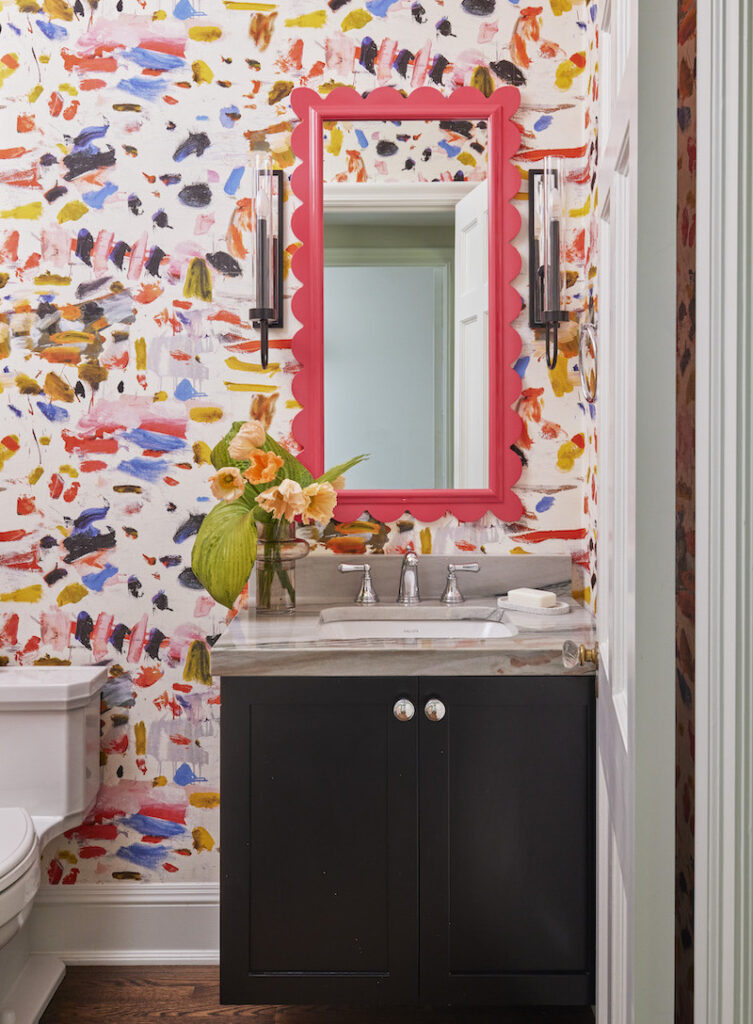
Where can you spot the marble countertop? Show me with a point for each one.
(293, 645)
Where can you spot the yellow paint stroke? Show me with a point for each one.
(292, 404)
(4, 331)
(27, 385)
(198, 283)
(196, 668)
(57, 280)
(356, 19)
(248, 5)
(466, 158)
(30, 211)
(202, 73)
(202, 453)
(68, 470)
(566, 72)
(581, 211)
(160, 396)
(44, 58)
(35, 93)
(7, 452)
(26, 594)
(140, 349)
(238, 364)
(47, 659)
(8, 65)
(316, 19)
(205, 33)
(583, 596)
(518, 551)
(559, 379)
(560, 6)
(202, 839)
(58, 9)
(206, 414)
(204, 799)
(44, 440)
(139, 736)
(70, 89)
(4, 277)
(335, 140)
(481, 79)
(262, 389)
(159, 780)
(28, 6)
(71, 338)
(72, 211)
(35, 475)
(425, 537)
(279, 91)
(567, 454)
(159, 15)
(71, 594)
(67, 856)
(56, 388)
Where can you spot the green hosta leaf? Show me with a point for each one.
(291, 467)
(220, 454)
(336, 471)
(224, 551)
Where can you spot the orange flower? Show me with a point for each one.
(322, 499)
(264, 466)
(339, 482)
(286, 501)
(227, 484)
(250, 436)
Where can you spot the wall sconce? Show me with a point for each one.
(265, 248)
(546, 241)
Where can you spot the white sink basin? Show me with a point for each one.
(419, 622)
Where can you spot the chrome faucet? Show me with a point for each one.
(408, 591)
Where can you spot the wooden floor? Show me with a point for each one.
(96, 995)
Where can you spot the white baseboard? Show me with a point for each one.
(128, 923)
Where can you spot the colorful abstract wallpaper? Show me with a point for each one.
(126, 351)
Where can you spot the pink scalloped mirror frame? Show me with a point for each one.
(505, 425)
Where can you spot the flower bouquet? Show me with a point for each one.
(262, 491)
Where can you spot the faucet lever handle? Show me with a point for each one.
(452, 593)
(367, 594)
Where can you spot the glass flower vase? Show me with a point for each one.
(277, 551)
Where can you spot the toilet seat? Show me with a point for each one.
(18, 845)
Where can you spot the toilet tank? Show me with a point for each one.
(49, 738)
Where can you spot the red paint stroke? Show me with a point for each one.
(160, 425)
(25, 561)
(54, 872)
(536, 536)
(91, 445)
(147, 676)
(578, 59)
(580, 440)
(169, 867)
(70, 878)
(72, 491)
(167, 812)
(539, 154)
(13, 153)
(181, 740)
(137, 641)
(152, 839)
(56, 485)
(526, 29)
(577, 250)
(177, 47)
(183, 853)
(9, 535)
(116, 362)
(25, 123)
(165, 701)
(92, 831)
(148, 293)
(116, 746)
(71, 110)
(9, 631)
(92, 83)
(96, 62)
(226, 316)
(22, 179)
(465, 545)
(9, 250)
(55, 104)
(92, 466)
(101, 634)
(182, 687)
(61, 355)
(181, 356)
(170, 481)
(87, 852)
(214, 700)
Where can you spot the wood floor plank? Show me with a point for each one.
(146, 995)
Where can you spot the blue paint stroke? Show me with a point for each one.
(521, 365)
(183, 9)
(90, 515)
(142, 855)
(87, 135)
(379, 8)
(149, 826)
(229, 116)
(545, 504)
(592, 409)
(185, 390)
(96, 199)
(363, 142)
(153, 441)
(54, 413)
(592, 12)
(543, 122)
(154, 59)
(449, 149)
(96, 580)
(150, 470)
(144, 88)
(118, 692)
(52, 31)
(185, 776)
(13, 409)
(202, 497)
(234, 180)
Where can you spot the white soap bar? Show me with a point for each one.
(532, 598)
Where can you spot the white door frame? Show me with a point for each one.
(724, 516)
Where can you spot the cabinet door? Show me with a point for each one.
(319, 879)
(506, 839)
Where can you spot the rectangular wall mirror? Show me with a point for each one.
(406, 304)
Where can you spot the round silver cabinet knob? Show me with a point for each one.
(434, 710)
(403, 710)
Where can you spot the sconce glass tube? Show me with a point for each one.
(547, 234)
(262, 249)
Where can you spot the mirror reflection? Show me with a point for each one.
(406, 303)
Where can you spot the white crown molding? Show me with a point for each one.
(428, 196)
(128, 923)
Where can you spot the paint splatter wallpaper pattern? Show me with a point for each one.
(126, 352)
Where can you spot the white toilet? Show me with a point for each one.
(49, 777)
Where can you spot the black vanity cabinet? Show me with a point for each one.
(370, 858)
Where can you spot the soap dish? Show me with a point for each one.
(560, 608)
